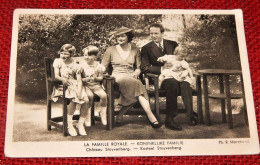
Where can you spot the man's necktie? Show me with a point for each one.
(160, 46)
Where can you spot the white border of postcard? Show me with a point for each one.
(125, 147)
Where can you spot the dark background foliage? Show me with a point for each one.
(211, 41)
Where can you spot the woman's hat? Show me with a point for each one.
(120, 31)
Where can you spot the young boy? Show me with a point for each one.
(175, 67)
(92, 76)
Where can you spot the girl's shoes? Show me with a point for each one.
(87, 123)
(103, 116)
(81, 129)
(72, 131)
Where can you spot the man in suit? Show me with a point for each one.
(159, 47)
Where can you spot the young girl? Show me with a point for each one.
(69, 72)
(92, 76)
(175, 67)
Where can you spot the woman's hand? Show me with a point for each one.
(136, 73)
(65, 81)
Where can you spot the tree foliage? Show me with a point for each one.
(211, 41)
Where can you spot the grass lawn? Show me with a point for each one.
(30, 125)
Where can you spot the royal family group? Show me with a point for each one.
(83, 77)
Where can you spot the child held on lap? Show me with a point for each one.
(92, 76)
(175, 67)
(68, 72)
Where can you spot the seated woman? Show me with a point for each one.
(123, 57)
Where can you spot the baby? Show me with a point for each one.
(175, 67)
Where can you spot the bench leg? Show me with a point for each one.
(65, 119)
(206, 100)
(228, 101)
(244, 100)
(245, 111)
(110, 104)
(199, 101)
(223, 110)
(110, 115)
(48, 114)
(92, 113)
(156, 98)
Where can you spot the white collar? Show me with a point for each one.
(158, 43)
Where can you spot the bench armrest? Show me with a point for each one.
(155, 79)
(54, 80)
(152, 75)
(108, 77)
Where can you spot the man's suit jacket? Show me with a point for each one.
(151, 52)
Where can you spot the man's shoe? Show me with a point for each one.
(193, 121)
(172, 125)
(195, 114)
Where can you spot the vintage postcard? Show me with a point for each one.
(164, 83)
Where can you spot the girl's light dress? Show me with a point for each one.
(68, 71)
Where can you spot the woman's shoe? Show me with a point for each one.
(155, 124)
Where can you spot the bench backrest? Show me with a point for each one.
(49, 71)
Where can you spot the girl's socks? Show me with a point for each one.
(80, 126)
(88, 118)
(78, 107)
(103, 115)
(71, 129)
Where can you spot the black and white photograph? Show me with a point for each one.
(101, 83)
